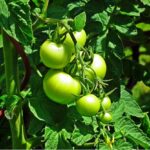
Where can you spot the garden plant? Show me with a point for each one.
(75, 74)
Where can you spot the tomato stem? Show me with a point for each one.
(12, 88)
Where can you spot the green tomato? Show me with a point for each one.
(61, 87)
(54, 55)
(97, 68)
(80, 36)
(106, 117)
(88, 105)
(106, 103)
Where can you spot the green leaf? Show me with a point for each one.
(122, 145)
(132, 132)
(103, 146)
(11, 103)
(16, 20)
(143, 26)
(35, 125)
(56, 11)
(115, 63)
(117, 110)
(42, 107)
(75, 4)
(82, 134)
(1, 41)
(3, 99)
(101, 42)
(51, 138)
(46, 110)
(130, 105)
(103, 18)
(124, 25)
(79, 21)
(146, 2)
(115, 44)
(133, 9)
(55, 139)
(146, 124)
(37, 2)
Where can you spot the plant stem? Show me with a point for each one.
(11, 68)
(18, 130)
(13, 88)
(44, 10)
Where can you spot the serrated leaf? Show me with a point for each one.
(146, 124)
(79, 21)
(80, 139)
(103, 18)
(103, 146)
(130, 105)
(146, 2)
(75, 4)
(82, 134)
(55, 139)
(11, 103)
(117, 110)
(133, 9)
(124, 25)
(101, 42)
(122, 145)
(16, 20)
(63, 140)
(51, 138)
(131, 131)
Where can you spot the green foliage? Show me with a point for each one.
(119, 31)
(132, 132)
(16, 20)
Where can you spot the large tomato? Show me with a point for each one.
(61, 87)
(80, 37)
(98, 67)
(88, 105)
(54, 55)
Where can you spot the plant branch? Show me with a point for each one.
(12, 88)
(20, 51)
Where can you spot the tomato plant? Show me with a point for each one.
(80, 37)
(88, 105)
(61, 87)
(54, 55)
(106, 103)
(97, 68)
(74, 74)
(106, 117)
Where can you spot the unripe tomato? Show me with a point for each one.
(98, 66)
(106, 103)
(106, 117)
(88, 105)
(54, 55)
(80, 37)
(61, 87)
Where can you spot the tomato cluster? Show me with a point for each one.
(61, 87)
